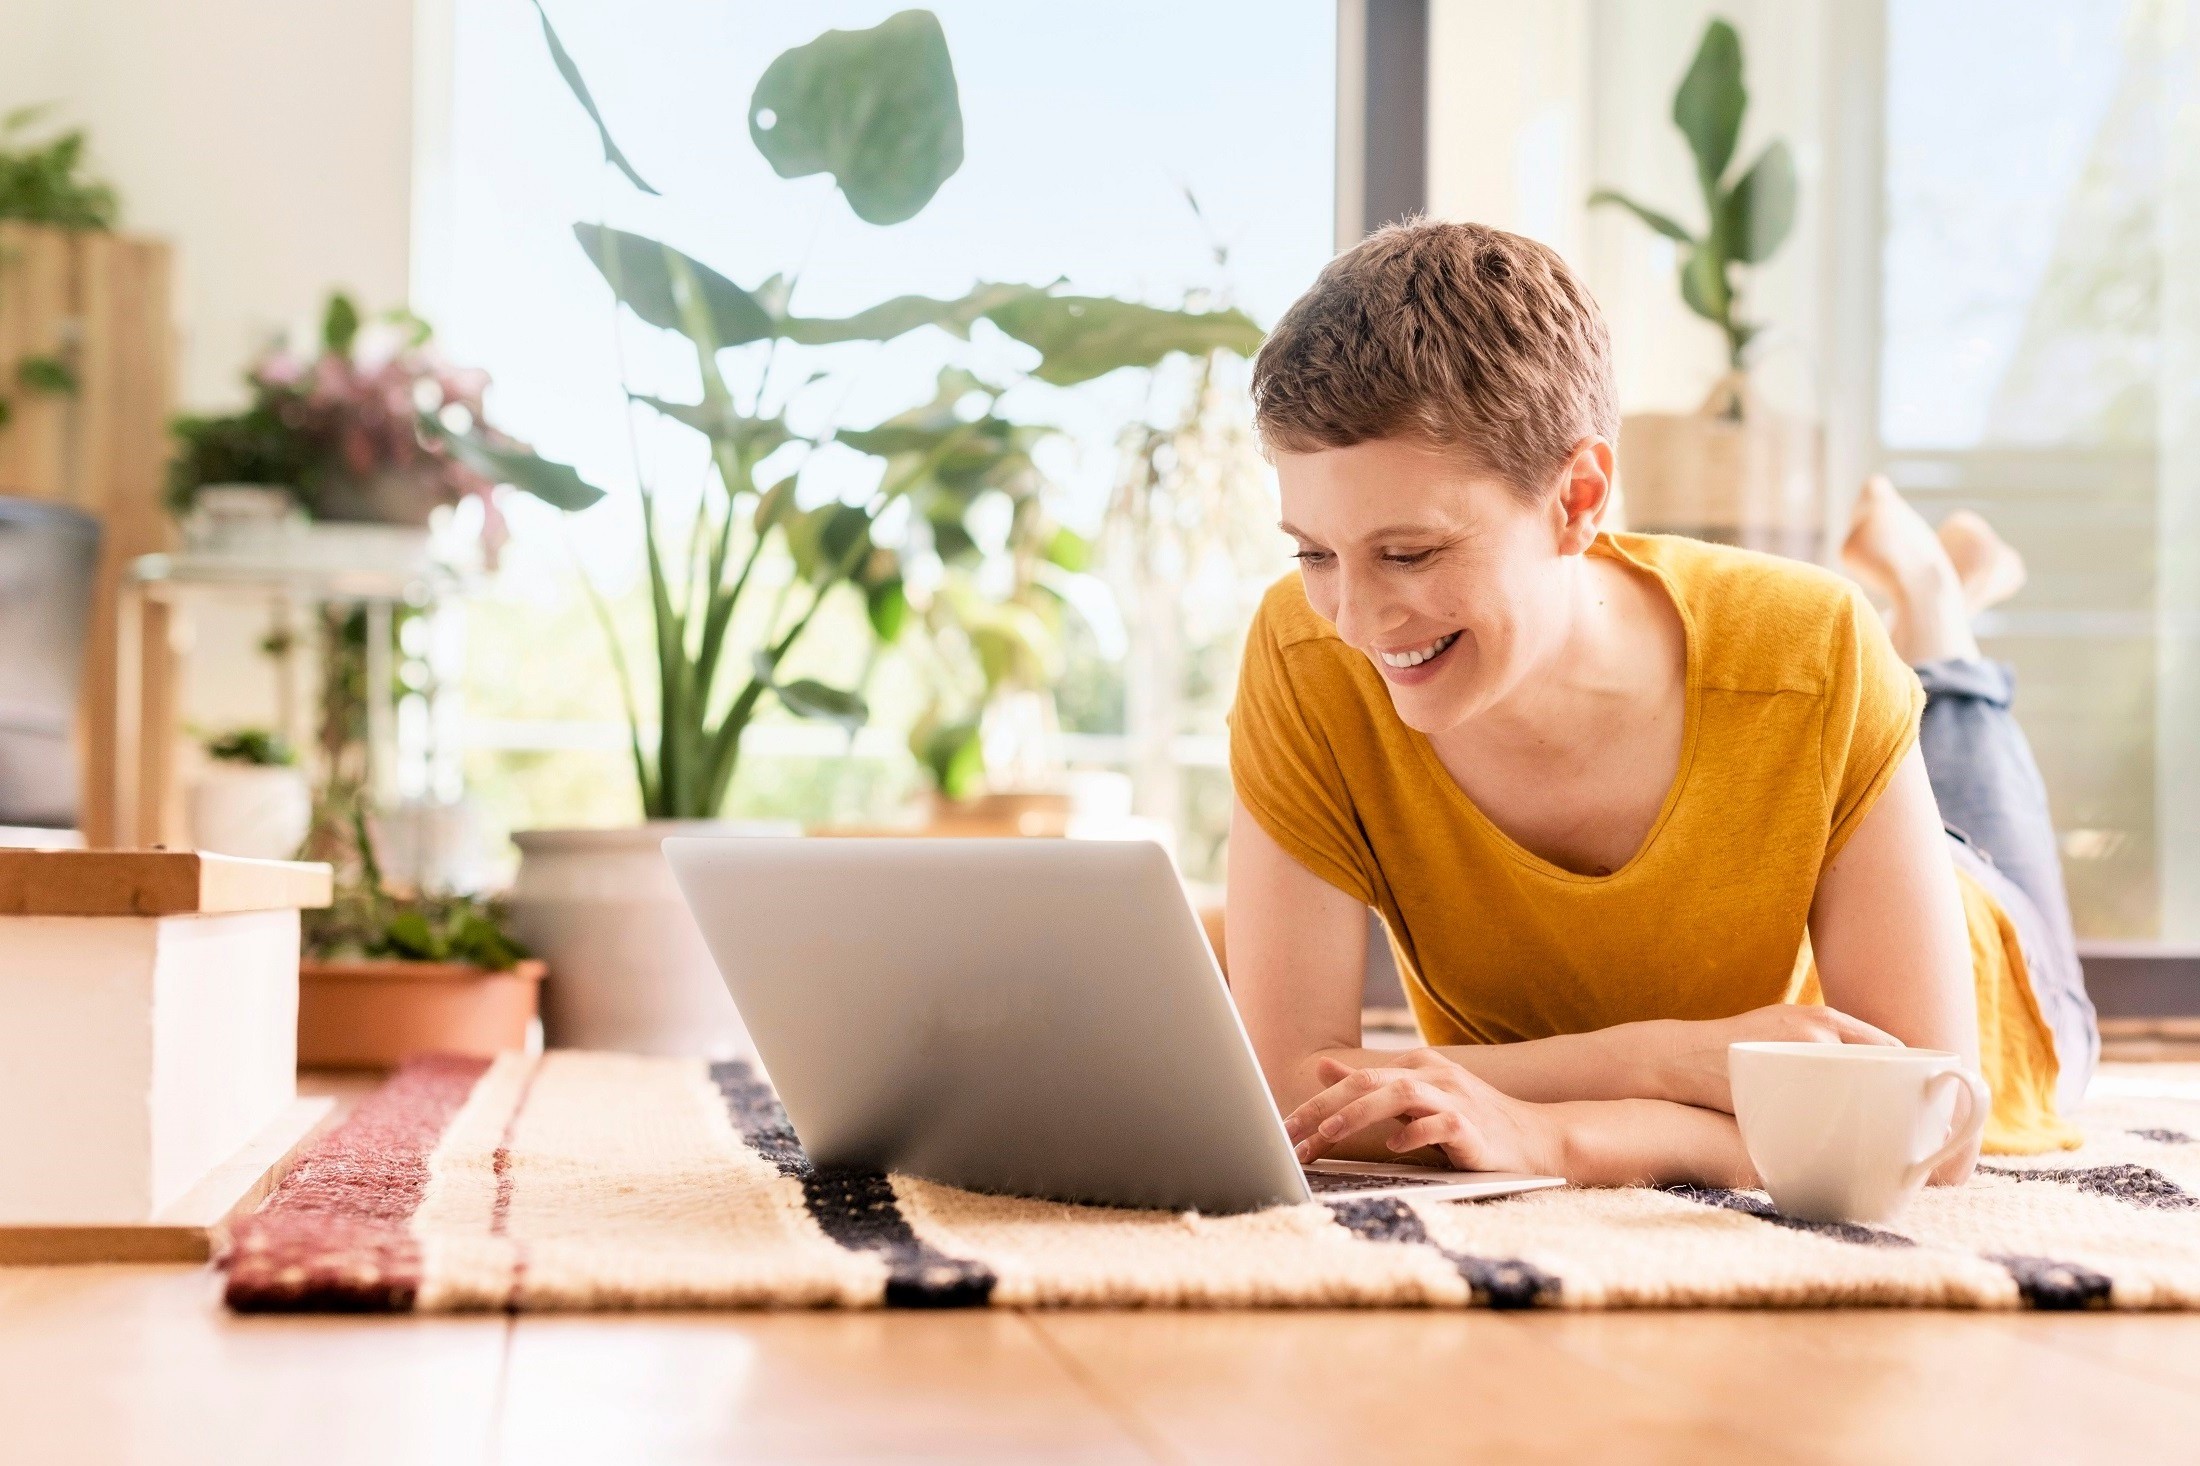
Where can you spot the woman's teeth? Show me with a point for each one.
(1418, 655)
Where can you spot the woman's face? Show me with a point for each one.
(1452, 587)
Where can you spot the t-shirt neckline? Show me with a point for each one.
(1606, 543)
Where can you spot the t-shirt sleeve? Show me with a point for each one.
(1873, 703)
(1285, 772)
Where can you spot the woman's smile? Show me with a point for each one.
(1414, 664)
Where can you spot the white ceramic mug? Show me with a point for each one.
(1849, 1132)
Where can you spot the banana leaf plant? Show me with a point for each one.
(1745, 220)
(879, 111)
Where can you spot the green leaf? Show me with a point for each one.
(823, 541)
(1663, 223)
(47, 375)
(1709, 105)
(639, 271)
(563, 60)
(1759, 212)
(1070, 550)
(806, 698)
(887, 604)
(953, 754)
(557, 484)
(773, 504)
(878, 109)
(760, 436)
(412, 936)
(905, 313)
(1080, 337)
(339, 324)
(1703, 283)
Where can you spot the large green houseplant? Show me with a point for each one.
(877, 110)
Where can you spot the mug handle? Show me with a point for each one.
(1976, 1103)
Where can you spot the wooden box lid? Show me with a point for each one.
(154, 883)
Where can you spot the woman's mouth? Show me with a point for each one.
(1415, 663)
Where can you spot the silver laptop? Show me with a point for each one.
(1032, 1017)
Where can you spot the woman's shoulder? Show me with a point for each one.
(1762, 623)
(1285, 617)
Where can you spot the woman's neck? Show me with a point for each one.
(1616, 656)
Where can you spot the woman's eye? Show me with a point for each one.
(1311, 557)
(1413, 559)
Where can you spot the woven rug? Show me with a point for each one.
(580, 1181)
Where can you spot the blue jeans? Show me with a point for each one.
(1995, 807)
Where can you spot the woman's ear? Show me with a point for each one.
(1585, 493)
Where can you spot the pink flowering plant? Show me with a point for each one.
(375, 425)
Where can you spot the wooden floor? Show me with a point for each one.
(142, 1366)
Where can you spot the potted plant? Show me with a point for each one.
(344, 452)
(388, 975)
(1734, 470)
(42, 182)
(251, 799)
(878, 110)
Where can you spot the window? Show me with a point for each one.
(2029, 273)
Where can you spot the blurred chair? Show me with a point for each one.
(49, 563)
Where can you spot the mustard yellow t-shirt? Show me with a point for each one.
(1798, 713)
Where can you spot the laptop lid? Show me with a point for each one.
(1038, 1017)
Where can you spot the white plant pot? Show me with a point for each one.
(628, 969)
(259, 811)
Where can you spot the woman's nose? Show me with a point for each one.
(1363, 614)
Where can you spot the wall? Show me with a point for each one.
(270, 140)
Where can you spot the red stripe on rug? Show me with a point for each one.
(500, 1210)
(334, 1237)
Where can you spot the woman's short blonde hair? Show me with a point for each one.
(1468, 338)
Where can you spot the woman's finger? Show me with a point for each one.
(1347, 1087)
(1394, 1100)
(1447, 1128)
(1857, 1031)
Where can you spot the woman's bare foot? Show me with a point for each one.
(1892, 550)
(1990, 569)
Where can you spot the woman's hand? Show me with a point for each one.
(1438, 1105)
(1692, 1067)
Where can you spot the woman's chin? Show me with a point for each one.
(1429, 708)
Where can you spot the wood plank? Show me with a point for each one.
(154, 883)
(1895, 1386)
(38, 288)
(1390, 1386)
(962, 1387)
(191, 1230)
(143, 1365)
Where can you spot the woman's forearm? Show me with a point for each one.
(1630, 1061)
(1642, 1142)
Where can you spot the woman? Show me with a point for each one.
(1620, 800)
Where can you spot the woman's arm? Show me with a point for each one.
(1887, 929)
(1298, 947)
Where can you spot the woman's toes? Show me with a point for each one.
(1890, 548)
(1989, 567)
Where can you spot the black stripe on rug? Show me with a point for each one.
(1749, 1204)
(2051, 1286)
(857, 1209)
(2139, 1185)
(2162, 1137)
(1498, 1282)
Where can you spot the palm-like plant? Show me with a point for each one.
(880, 112)
(1746, 220)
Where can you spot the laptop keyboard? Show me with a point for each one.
(1323, 1183)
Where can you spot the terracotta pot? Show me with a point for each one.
(374, 1013)
(630, 969)
(1001, 814)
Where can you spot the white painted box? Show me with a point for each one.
(148, 1024)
